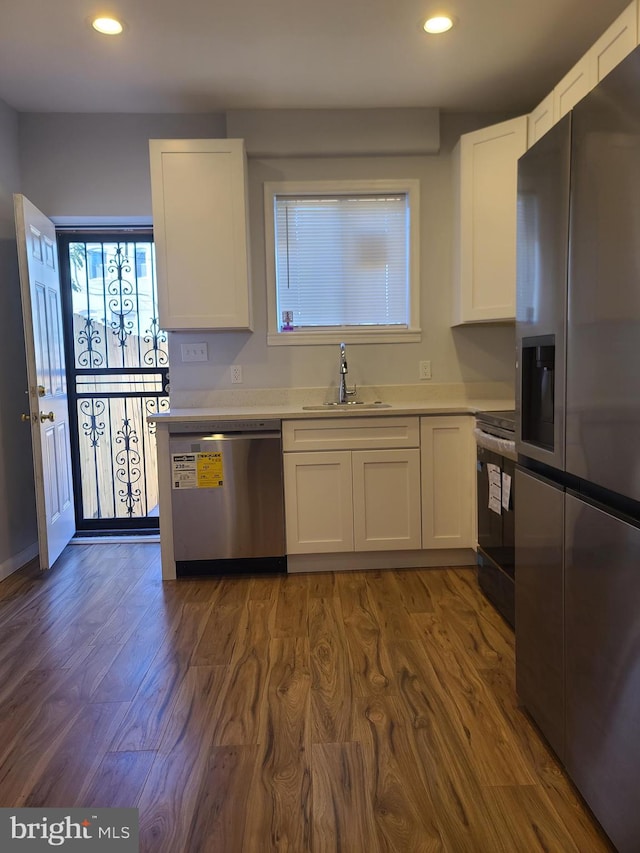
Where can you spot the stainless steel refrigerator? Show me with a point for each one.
(578, 441)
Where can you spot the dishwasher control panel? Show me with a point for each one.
(243, 425)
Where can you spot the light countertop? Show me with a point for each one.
(288, 411)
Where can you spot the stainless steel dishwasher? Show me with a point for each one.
(228, 498)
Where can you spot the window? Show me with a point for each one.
(342, 261)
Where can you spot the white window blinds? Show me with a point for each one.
(342, 261)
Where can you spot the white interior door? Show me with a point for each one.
(48, 410)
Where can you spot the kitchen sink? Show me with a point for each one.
(343, 407)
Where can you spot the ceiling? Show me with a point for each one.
(212, 55)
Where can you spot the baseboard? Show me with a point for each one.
(362, 560)
(18, 561)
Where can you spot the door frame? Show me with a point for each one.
(84, 526)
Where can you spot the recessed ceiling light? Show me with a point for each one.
(438, 24)
(107, 26)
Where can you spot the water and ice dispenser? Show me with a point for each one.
(538, 356)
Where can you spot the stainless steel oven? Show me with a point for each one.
(496, 458)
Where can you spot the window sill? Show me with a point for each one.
(293, 338)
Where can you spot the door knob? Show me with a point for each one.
(44, 417)
(24, 417)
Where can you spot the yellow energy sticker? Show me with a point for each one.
(196, 470)
(210, 474)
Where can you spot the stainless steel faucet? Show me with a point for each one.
(343, 392)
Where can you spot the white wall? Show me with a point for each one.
(97, 165)
(18, 533)
(457, 355)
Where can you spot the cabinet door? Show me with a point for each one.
(615, 43)
(318, 502)
(386, 500)
(448, 482)
(574, 86)
(541, 119)
(200, 229)
(485, 176)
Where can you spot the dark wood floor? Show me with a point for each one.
(368, 711)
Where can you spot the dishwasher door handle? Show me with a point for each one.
(238, 436)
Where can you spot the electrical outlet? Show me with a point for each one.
(424, 369)
(236, 374)
(194, 352)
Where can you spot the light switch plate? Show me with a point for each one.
(194, 352)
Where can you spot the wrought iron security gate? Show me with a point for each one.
(117, 367)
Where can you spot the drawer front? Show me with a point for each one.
(350, 433)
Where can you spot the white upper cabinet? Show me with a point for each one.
(199, 200)
(541, 119)
(573, 87)
(485, 166)
(485, 174)
(614, 44)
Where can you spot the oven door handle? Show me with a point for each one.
(501, 446)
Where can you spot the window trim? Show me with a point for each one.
(412, 334)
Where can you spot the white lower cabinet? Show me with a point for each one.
(419, 495)
(352, 500)
(318, 502)
(386, 499)
(448, 485)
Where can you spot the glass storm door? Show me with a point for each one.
(117, 363)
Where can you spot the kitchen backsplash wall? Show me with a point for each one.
(97, 166)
